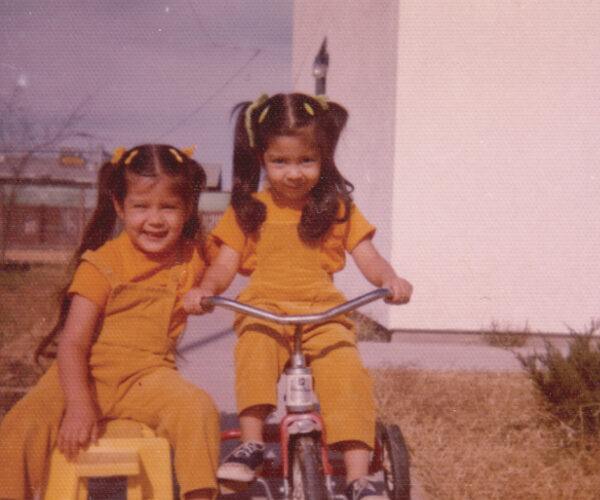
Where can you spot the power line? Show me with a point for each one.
(214, 44)
(213, 95)
(201, 24)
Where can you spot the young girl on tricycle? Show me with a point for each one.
(290, 238)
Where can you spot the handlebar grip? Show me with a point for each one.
(207, 304)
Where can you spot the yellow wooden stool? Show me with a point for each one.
(126, 448)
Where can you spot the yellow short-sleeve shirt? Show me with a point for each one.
(130, 265)
(341, 238)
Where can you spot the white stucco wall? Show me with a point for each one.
(360, 40)
(495, 156)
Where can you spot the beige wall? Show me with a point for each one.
(495, 157)
(362, 77)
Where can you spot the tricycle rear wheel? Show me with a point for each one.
(395, 461)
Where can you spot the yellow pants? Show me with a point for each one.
(342, 384)
(178, 411)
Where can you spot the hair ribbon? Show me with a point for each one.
(176, 154)
(263, 114)
(131, 156)
(322, 100)
(260, 100)
(117, 155)
(189, 151)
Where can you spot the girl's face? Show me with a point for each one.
(293, 166)
(153, 214)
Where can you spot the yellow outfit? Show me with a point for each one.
(132, 370)
(288, 276)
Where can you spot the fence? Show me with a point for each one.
(54, 218)
(43, 227)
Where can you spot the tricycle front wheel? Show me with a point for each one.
(308, 479)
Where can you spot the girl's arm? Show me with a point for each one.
(216, 280)
(380, 273)
(80, 421)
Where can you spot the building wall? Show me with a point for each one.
(494, 160)
(361, 43)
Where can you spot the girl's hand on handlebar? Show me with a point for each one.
(400, 290)
(192, 301)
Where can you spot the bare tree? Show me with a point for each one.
(21, 138)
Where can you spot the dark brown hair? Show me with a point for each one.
(289, 114)
(147, 160)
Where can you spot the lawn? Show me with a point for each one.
(27, 311)
(484, 436)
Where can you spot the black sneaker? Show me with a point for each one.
(363, 489)
(243, 463)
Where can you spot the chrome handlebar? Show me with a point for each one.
(301, 319)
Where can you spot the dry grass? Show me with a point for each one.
(29, 306)
(27, 311)
(483, 436)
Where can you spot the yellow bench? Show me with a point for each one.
(126, 448)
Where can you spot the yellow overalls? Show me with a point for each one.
(133, 375)
(289, 279)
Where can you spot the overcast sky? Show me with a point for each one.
(155, 70)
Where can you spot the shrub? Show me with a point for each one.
(505, 336)
(570, 384)
(369, 329)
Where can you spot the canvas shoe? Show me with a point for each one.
(363, 489)
(243, 463)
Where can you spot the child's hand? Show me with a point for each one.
(79, 427)
(400, 289)
(192, 301)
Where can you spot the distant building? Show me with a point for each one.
(55, 193)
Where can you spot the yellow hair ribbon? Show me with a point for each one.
(263, 114)
(189, 151)
(322, 100)
(131, 156)
(117, 155)
(248, 116)
(177, 156)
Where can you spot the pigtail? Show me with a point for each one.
(192, 229)
(46, 347)
(97, 232)
(250, 212)
(332, 189)
(102, 223)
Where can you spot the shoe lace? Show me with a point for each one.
(247, 449)
(361, 485)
